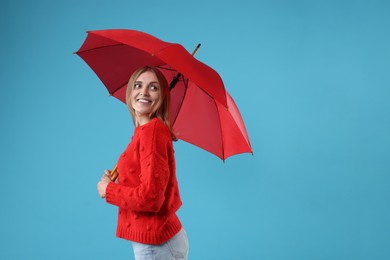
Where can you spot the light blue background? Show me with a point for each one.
(311, 79)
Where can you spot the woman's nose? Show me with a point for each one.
(144, 91)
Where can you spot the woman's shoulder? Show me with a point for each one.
(155, 127)
(154, 138)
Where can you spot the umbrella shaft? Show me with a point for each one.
(176, 78)
(174, 81)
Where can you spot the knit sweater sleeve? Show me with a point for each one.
(149, 195)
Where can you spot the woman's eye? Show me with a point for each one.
(137, 85)
(154, 87)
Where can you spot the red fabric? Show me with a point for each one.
(147, 192)
(123, 51)
(208, 124)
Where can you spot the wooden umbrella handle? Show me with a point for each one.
(114, 173)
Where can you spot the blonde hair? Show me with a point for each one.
(161, 109)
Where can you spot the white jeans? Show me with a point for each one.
(174, 249)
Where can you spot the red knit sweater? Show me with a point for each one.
(147, 192)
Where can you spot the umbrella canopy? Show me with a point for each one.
(202, 112)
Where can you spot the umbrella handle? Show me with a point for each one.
(114, 173)
(176, 78)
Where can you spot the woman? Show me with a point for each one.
(147, 192)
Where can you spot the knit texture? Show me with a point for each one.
(147, 192)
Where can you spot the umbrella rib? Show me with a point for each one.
(242, 133)
(181, 104)
(165, 68)
(113, 92)
(222, 136)
(101, 47)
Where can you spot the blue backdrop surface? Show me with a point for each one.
(311, 79)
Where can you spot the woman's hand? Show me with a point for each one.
(102, 184)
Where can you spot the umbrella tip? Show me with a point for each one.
(196, 49)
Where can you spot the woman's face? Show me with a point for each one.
(145, 95)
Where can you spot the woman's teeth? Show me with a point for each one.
(141, 100)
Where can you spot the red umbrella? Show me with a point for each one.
(202, 112)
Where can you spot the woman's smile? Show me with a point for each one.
(144, 101)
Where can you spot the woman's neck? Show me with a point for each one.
(139, 121)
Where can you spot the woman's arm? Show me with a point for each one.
(154, 172)
(149, 195)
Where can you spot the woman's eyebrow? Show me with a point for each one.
(141, 82)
